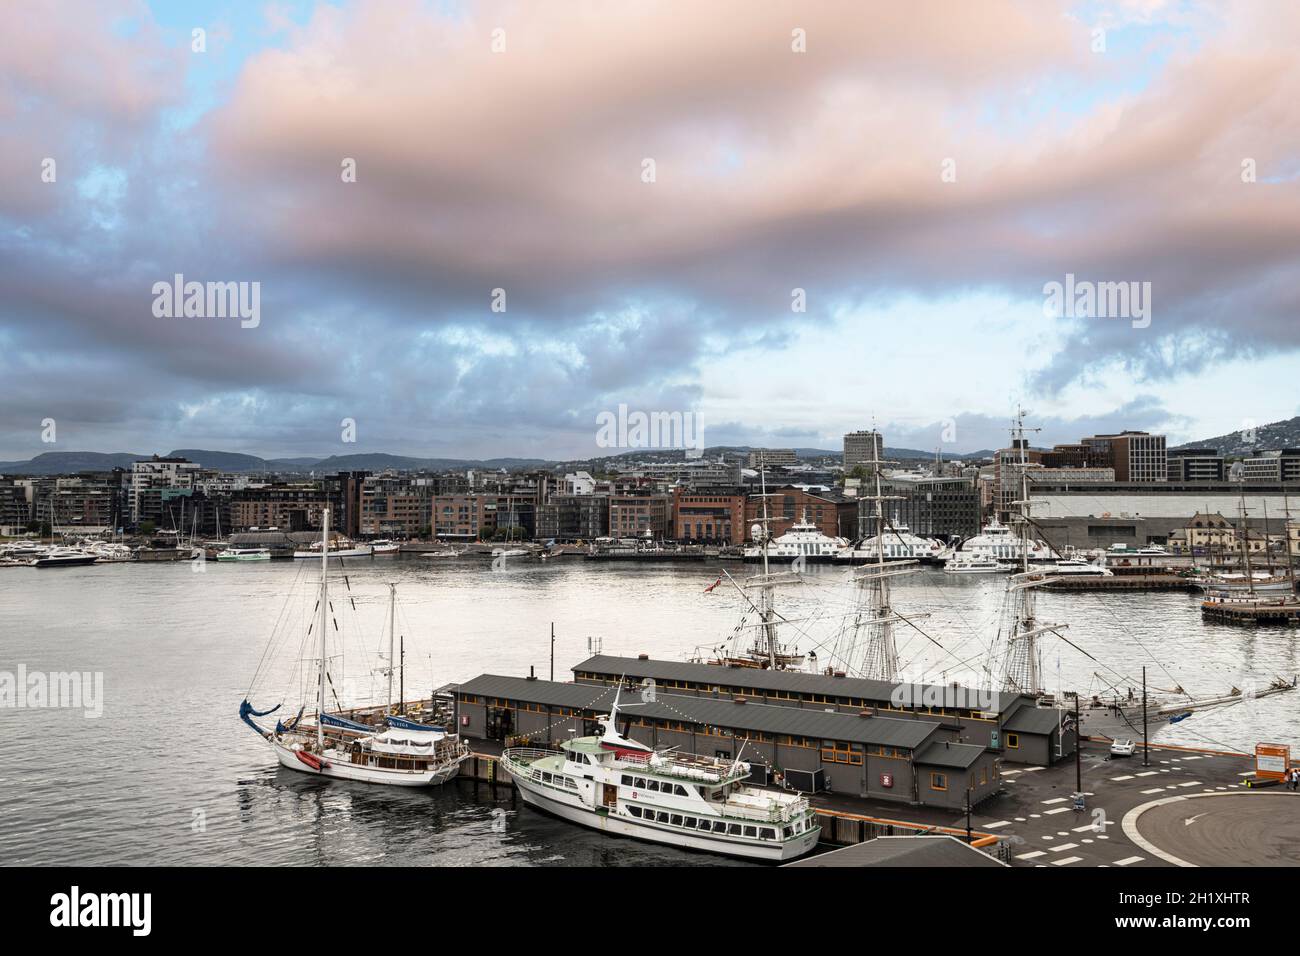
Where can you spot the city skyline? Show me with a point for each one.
(378, 173)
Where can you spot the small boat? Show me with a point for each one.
(1076, 567)
(384, 546)
(960, 563)
(444, 553)
(618, 785)
(509, 553)
(244, 554)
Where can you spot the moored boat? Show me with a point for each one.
(617, 785)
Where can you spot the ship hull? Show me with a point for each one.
(341, 769)
(572, 809)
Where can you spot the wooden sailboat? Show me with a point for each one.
(404, 753)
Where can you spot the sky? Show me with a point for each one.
(474, 228)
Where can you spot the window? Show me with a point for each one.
(690, 822)
(680, 791)
(676, 819)
(733, 829)
(1013, 741)
(938, 781)
(627, 780)
(704, 825)
(635, 811)
(654, 786)
(661, 817)
(719, 826)
(751, 831)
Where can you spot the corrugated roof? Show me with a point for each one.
(906, 733)
(770, 680)
(942, 753)
(1034, 720)
(932, 849)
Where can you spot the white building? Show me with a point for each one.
(158, 472)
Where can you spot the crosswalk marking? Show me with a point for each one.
(1067, 861)
(1055, 800)
(1147, 773)
(1057, 810)
(1127, 776)
(1086, 826)
(1031, 855)
(1063, 846)
(1156, 790)
(1191, 783)
(994, 826)
(1127, 860)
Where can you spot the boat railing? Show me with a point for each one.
(690, 766)
(773, 813)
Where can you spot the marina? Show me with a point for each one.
(447, 622)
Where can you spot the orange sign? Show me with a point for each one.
(1272, 761)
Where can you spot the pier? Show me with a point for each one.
(1125, 821)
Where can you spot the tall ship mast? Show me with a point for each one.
(880, 652)
(1022, 662)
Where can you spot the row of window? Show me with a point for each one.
(657, 786)
(709, 826)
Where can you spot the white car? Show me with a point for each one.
(1122, 748)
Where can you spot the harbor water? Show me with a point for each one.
(167, 774)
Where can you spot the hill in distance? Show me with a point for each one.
(1275, 435)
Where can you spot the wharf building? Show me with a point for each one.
(1010, 724)
(915, 762)
(712, 517)
(1196, 464)
(1280, 466)
(1097, 515)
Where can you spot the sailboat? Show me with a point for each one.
(1111, 714)
(405, 753)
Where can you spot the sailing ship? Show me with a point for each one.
(612, 783)
(765, 648)
(1109, 714)
(404, 753)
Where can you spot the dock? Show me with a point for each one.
(1125, 821)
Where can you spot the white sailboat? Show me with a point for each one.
(405, 753)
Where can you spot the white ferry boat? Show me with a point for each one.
(961, 563)
(339, 548)
(803, 540)
(996, 541)
(384, 546)
(244, 554)
(617, 785)
(899, 545)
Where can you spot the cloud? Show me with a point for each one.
(522, 170)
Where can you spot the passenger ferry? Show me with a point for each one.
(900, 545)
(996, 541)
(961, 563)
(803, 540)
(244, 554)
(618, 785)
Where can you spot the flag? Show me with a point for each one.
(713, 585)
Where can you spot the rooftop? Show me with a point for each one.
(930, 850)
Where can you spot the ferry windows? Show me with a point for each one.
(767, 834)
(787, 832)
(662, 817)
(640, 783)
(546, 777)
(704, 825)
(653, 786)
(733, 829)
(751, 831)
(690, 823)
(719, 826)
(627, 780)
(677, 819)
(635, 811)
(716, 796)
(938, 781)
(680, 791)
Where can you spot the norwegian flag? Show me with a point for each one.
(713, 585)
